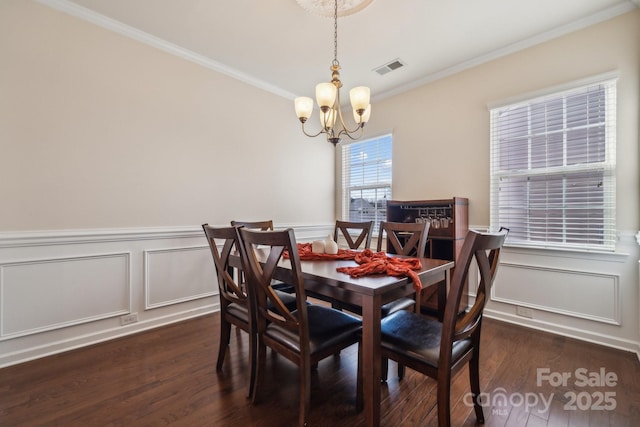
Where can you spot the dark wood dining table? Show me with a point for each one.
(370, 293)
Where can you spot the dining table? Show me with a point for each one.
(370, 293)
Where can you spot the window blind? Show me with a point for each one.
(553, 168)
(366, 179)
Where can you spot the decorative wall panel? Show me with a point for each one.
(592, 296)
(177, 275)
(44, 294)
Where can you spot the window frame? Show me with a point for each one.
(566, 170)
(345, 190)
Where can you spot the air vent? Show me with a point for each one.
(390, 66)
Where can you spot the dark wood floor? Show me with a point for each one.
(167, 377)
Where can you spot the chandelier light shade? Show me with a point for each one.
(326, 95)
(359, 98)
(332, 122)
(304, 108)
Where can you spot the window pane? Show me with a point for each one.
(369, 205)
(597, 105)
(585, 207)
(514, 205)
(514, 154)
(546, 201)
(576, 110)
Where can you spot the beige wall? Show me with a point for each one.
(99, 131)
(441, 130)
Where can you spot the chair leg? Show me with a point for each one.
(305, 392)
(336, 305)
(384, 372)
(359, 383)
(474, 380)
(253, 362)
(225, 335)
(444, 400)
(261, 351)
(401, 370)
(442, 300)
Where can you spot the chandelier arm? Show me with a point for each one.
(349, 134)
(345, 129)
(311, 135)
(338, 108)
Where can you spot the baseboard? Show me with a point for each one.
(61, 346)
(579, 334)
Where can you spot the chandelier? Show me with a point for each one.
(328, 97)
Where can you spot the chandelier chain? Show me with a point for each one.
(335, 34)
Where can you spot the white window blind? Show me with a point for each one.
(553, 169)
(366, 179)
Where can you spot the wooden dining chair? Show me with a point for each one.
(357, 235)
(234, 302)
(439, 349)
(265, 225)
(258, 225)
(404, 238)
(305, 335)
(409, 239)
(354, 233)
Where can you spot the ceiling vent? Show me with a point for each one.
(390, 66)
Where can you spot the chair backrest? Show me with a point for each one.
(404, 238)
(259, 225)
(262, 251)
(485, 248)
(230, 290)
(354, 233)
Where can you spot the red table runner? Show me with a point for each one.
(369, 263)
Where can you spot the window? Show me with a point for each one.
(366, 179)
(553, 169)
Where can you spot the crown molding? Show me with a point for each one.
(88, 15)
(596, 18)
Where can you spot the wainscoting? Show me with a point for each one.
(62, 290)
(67, 289)
(588, 296)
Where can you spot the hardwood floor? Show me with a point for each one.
(167, 376)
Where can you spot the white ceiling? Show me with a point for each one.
(280, 47)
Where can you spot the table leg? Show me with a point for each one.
(443, 291)
(371, 308)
